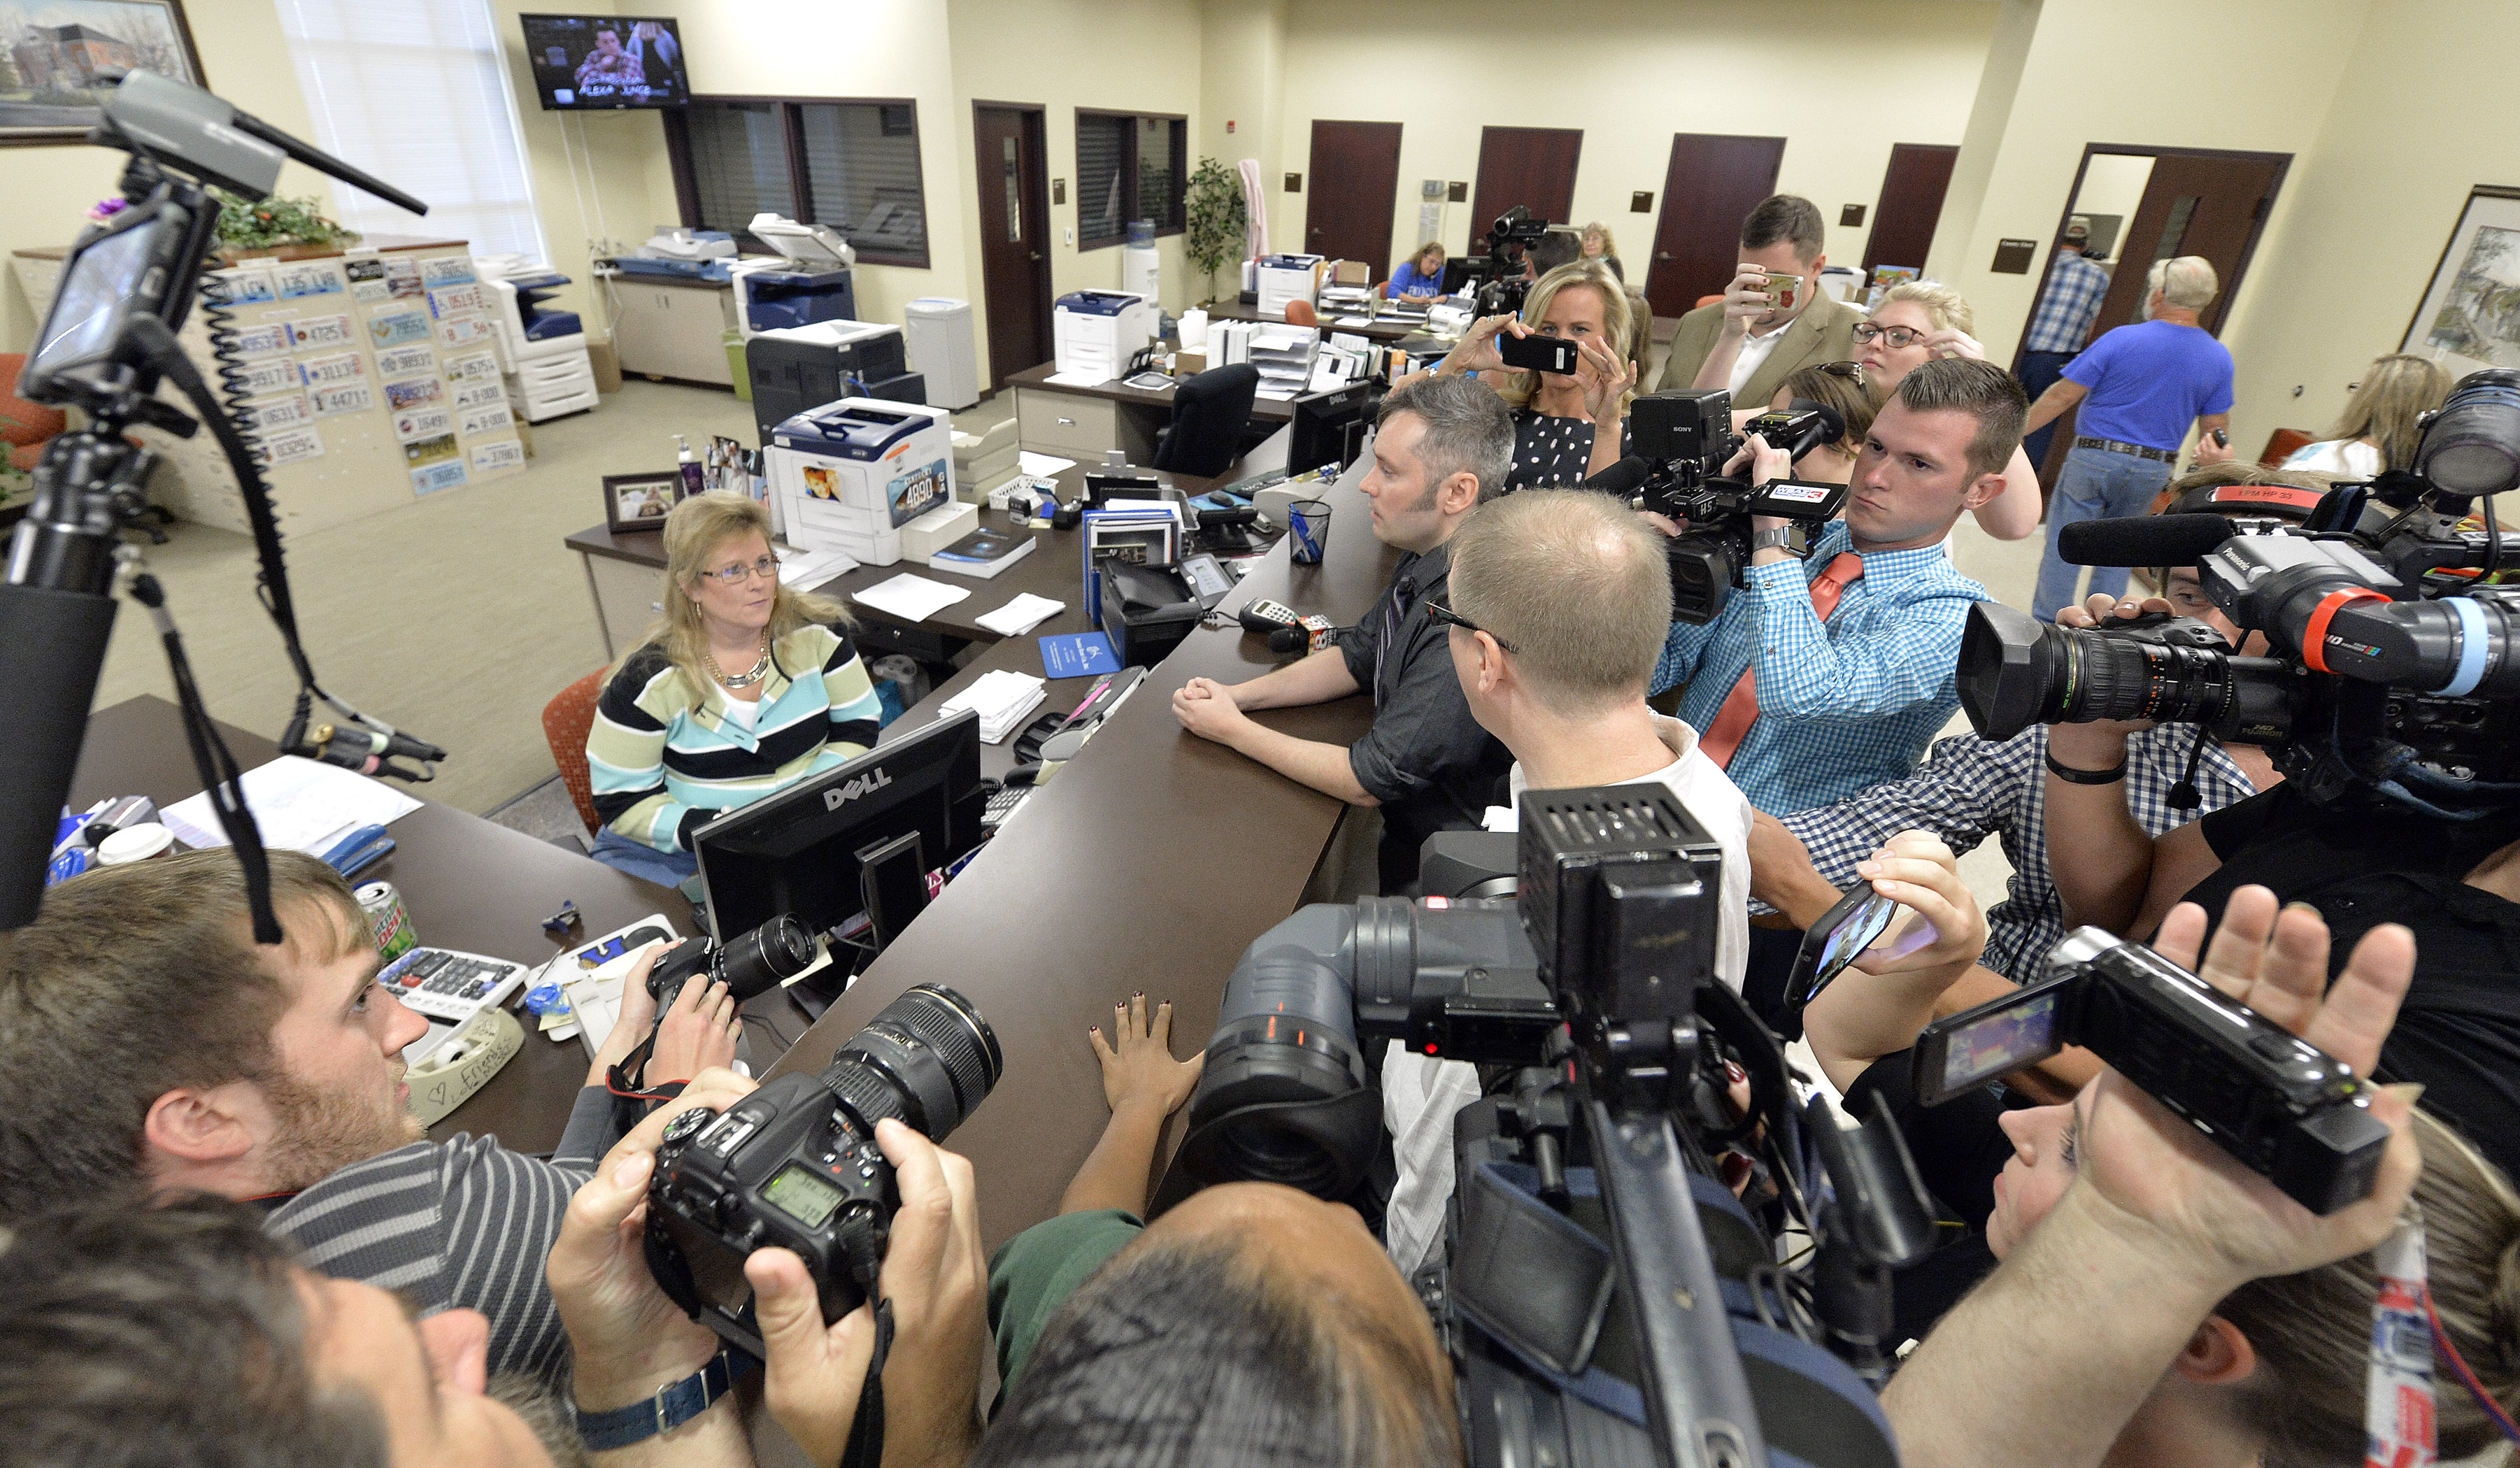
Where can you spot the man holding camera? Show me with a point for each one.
(1827, 675)
(1774, 318)
(147, 1046)
(1442, 446)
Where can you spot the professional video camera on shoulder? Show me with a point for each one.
(1680, 442)
(1600, 1287)
(2392, 676)
(1496, 281)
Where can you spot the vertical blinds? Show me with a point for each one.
(862, 176)
(1101, 168)
(416, 92)
(739, 163)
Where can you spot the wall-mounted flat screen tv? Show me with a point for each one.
(595, 62)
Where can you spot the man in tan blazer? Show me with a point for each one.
(1782, 235)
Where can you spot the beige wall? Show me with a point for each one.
(1858, 76)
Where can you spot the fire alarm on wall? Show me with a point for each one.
(1229, 124)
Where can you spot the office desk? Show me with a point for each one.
(1081, 422)
(469, 885)
(1151, 862)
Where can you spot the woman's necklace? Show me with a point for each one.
(760, 669)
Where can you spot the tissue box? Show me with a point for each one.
(939, 529)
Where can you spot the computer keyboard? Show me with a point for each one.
(447, 988)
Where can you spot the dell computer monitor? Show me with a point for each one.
(1330, 427)
(598, 63)
(859, 838)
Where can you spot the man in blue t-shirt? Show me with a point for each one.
(2139, 387)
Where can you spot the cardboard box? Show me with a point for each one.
(1351, 272)
(1188, 364)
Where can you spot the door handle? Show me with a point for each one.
(1035, 256)
(1066, 423)
(1664, 254)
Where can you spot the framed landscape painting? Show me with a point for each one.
(2471, 315)
(53, 53)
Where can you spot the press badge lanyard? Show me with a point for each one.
(2398, 1404)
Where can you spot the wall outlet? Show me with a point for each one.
(1072, 236)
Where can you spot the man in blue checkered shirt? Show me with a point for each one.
(2067, 306)
(1851, 700)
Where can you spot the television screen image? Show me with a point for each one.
(599, 62)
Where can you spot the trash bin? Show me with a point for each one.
(936, 336)
(732, 340)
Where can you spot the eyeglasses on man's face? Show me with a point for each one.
(739, 573)
(1451, 618)
(1896, 336)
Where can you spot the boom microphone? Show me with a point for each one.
(1623, 478)
(2153, 540)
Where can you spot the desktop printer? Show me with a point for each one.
(1097, 332)
(809, 282)
(806, 366)
(849, 474)
(1146, 611)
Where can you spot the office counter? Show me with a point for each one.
(1149, 862)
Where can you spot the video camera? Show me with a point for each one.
(1594, 1260)
(1496, 281)
(1680, 442)
(2380, 595)
(795, 1165)
(105, 346)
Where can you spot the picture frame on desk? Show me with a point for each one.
(52, 97)
(639, 502)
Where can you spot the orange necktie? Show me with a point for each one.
(1740, 707)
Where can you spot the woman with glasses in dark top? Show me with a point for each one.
(744, 687)
(1915, 322)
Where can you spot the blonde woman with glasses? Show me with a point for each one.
(1915, 322)
(745, 687)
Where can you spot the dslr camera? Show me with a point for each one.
(747, 964)
(2391, 677)
(795, 1165)
(1680, 442)
(2281, 1108)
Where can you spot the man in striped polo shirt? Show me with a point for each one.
(147, 1046)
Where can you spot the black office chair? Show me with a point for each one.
(1210, 411)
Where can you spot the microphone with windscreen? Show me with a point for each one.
(1623, 478)
(2153, 540)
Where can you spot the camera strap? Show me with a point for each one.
(2398, 1408)
(865, 1435)
(632, 1101)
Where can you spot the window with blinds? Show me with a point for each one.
(416, 92)
(1128, 167)
(851, 166)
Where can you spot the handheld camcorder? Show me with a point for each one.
(795, 1165)
(2391, 676)
(1680, 442)
(2296, 1116)
(1590, 1245)
(1495, 279)
(747, 964)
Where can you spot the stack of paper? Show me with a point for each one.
(1003, 698)
(1285, 356)
(808, 569)
(1021, 615)
(912, 599)
(296, 804)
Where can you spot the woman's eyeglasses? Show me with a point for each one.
(1896, 336)
(738, 575)
(1451, 618)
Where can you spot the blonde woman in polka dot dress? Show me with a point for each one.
(1566, 427)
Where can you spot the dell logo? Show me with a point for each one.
(838, 797)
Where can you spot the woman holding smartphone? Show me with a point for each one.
(1568, 427)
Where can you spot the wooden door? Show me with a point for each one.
(2204, 203)
(1532, 166)
(1014, 236)
(1713, 181)
(1355, 177)
(2195, 203)
(1911, 203)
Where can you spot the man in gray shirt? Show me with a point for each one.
(149, 1046)
(1441, 447)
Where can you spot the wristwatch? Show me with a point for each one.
(671, 1406)
(1780, 538)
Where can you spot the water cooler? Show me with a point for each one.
(1140, 268)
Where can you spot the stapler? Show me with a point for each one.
(359, 850)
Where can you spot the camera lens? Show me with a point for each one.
(2015, 671)
(926, 1061)
(2471, 446)
(776, 951)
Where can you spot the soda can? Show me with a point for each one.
(388, 919)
